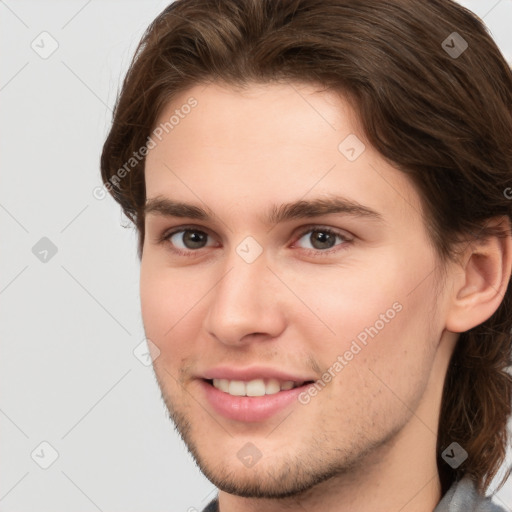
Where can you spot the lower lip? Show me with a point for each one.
(250, 408)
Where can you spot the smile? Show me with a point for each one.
(255, 400)
(255, 387)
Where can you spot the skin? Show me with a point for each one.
(367, 441)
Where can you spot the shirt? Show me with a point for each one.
(462, 496)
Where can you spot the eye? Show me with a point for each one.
(318, 240)
(322, 239)
(185, 240)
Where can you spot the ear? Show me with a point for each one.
(482, 279)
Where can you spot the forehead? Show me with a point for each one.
(269, 143)
(269, 115)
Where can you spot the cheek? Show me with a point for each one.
(372, 313)
(167, 304)
(382, 352)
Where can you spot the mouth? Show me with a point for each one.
(254, 400)
(255, 387)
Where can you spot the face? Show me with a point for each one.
(281, 248)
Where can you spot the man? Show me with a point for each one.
(322, 195)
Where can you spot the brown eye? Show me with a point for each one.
(194, 239)
(322, 239)
(188, 239)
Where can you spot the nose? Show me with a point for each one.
(246, 304)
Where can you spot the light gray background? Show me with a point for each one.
(69, 325)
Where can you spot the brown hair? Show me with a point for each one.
(444, 119)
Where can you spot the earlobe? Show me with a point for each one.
(486, 270)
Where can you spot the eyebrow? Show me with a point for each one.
(277, 213)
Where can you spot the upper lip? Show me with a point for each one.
(252, 373)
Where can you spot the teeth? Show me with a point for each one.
(222, 384)
(256, 387)
(273, 386)
(237, 388)
(287, 385)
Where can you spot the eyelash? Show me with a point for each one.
(165, 239)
